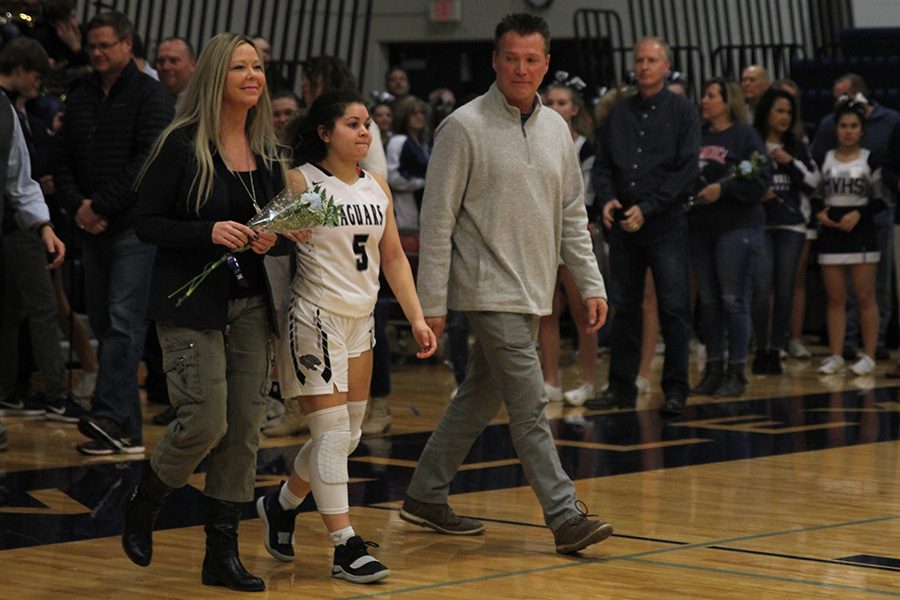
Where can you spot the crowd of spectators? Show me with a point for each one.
(705, 215)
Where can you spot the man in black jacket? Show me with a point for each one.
(646, 163)
(112, 120)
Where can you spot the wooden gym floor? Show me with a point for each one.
(791, 491)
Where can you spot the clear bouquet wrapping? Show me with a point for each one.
(286, 212)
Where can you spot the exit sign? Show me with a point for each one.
(445, 11)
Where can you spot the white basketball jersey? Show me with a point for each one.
(338, 267)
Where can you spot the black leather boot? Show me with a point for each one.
(222, 565)
(713, 374)
(141, 509)
(734, 382)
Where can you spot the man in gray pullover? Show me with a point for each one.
(503, 204)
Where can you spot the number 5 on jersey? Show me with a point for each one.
(359, 249)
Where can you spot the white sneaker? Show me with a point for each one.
(864, 366)
(797, 349)
(85, 386)
(579, 395)
(554, 394)
(378, 420)
(274, 410)
(698, 350)
(833, 364)
(642, 384)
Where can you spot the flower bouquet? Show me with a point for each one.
(286, 212)
(750, 169)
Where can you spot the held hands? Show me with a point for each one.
(847, 222)
(609, 210)
(235, 236)
(426, 338)
(780, 156)
(232, 235)
(710, 193)
(633, 217)
(263, 242)
(88, 220)
(597, 310)
(298, 237)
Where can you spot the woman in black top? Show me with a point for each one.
(209, 173)
(794, 177)
(726, 230)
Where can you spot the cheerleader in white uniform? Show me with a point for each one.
(847, 247)
(330, 325)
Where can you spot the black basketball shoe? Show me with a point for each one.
(279, 536)
(353, 563)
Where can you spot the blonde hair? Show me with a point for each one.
(583, 121)
(402, 110)
(608, 100)
(732, 96)
(202, 106)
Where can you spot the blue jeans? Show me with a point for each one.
(117, 281)
(884, 237)
(725, 265)
(780, 254)
(667, 257)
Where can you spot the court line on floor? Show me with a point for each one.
(639, 557)
(643, 538)
(830, 561)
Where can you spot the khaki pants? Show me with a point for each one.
(218, 383)
(503, 369)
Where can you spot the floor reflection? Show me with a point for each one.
(590, 445)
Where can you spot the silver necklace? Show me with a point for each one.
(251, 191)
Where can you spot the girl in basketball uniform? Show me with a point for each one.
(330, 326)
(847, 247)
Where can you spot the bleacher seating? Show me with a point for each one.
(872, 53)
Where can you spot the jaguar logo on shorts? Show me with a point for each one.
(310, 362)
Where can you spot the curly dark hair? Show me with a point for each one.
(302, 133)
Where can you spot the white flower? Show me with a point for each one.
(313, 200)
(745, 167)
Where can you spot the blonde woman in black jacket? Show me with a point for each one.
(209, 173)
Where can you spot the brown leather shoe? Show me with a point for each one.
(580, 531)
(439, 517)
